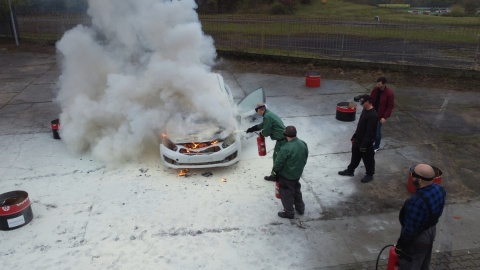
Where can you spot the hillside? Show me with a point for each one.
(326, 9)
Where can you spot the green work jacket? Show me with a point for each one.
(272, 126)
(291, 159)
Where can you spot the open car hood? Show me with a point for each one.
(207, 129)
(204, 132)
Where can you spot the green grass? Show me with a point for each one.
(414, 26)
(282, 28)
(338, 9)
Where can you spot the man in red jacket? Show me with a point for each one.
(383, 102)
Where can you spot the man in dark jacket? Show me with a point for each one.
(418, 217)
(383, 101)
(362, 141)
(271, 126)
(288, 167)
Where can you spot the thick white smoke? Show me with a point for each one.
(143, 65)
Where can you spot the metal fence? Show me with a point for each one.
(47, 27)
(453, 45)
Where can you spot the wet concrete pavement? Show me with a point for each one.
(346, 222)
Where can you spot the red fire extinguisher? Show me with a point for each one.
(393, 263)
(277, 190)
(261, 145)
(393, 260)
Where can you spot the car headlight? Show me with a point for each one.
(229, 140)
(167, 143)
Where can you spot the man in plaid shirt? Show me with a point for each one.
(418, 218)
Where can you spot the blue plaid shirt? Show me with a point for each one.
(416, 217)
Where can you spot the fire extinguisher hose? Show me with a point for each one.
(378, 258)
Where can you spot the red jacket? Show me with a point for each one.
(387, 102)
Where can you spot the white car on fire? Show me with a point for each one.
(199, 148)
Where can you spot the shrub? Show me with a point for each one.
(278, 9)
(289, 5)
(456, 11)
(305, 2)
(471, 7)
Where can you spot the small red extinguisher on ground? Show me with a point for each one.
(277, 190)
(261, 145)
(393, 263)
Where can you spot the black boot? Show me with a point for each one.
(367, 178)
(285, 215)
(270, 178)
(346, 173)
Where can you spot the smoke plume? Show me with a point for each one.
(141, 66)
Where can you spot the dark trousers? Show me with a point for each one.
(368, 159)
(420, 251)
(378, 136)
(278, 146)
(291, 195)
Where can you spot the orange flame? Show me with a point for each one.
(183, 173)
(195, 145)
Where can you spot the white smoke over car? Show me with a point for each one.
(140, 66)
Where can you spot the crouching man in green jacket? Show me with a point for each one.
(288, 167)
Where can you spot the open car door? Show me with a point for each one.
(251, 100)
(246, 106)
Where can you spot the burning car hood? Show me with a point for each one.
(199, 132)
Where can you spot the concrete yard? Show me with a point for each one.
(142, 215)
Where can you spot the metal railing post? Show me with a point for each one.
(341, 49)
(476, 59)
(404, 42)
(13, 23)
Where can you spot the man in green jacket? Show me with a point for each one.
(288, 167)
(271, 126)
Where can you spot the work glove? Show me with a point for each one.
(353, 138)
(274, 173)
(398, 251)
(399, 248)
(363, 149)
(401, 252)
(253, 129)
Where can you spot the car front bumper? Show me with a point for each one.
(224, 157)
